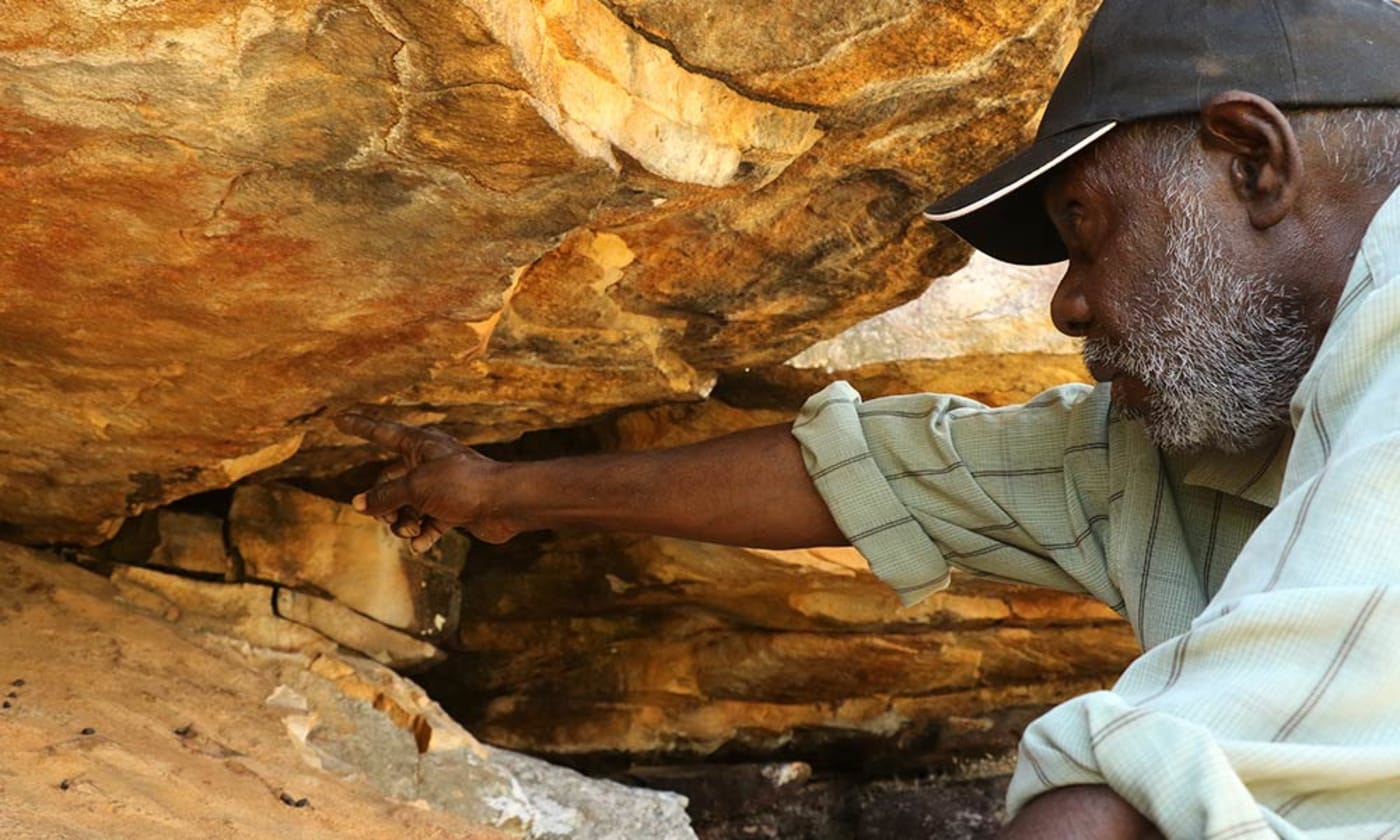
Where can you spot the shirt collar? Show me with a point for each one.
(1377, 262)
(1256, 476)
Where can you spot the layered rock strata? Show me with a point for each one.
(586, 645)
(596, 645)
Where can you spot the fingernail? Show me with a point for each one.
(359, 503)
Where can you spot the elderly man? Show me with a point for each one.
(1222, 177)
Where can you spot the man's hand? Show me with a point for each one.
(436, 484)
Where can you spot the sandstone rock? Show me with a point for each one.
(993, 380)
(402, 702)
(278, 619)
(594, 644)
(363, 721)
(207, 735)
(243, 610)
(356, 727)
(591, 644)
(233, 219)
(299, 540)
(192, 543)
(181, 742)
(354, 631)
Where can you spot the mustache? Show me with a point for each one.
(1109, 357)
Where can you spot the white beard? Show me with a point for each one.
(1224, 353)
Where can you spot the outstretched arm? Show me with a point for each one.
(748, 488)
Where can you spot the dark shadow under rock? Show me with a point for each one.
(781, 802)
(970, 810)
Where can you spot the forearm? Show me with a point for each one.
(749, 489)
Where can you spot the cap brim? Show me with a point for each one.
(1001, 213)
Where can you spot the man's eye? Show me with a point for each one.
(1075, 216)
(1073, 222)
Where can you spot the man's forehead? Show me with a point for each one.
(1104, 169)
(1069, 176)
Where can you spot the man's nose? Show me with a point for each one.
(1069, 309)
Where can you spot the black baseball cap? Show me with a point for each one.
(1155, 58)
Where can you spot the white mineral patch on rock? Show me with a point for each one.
(987, 307)
(575, 807)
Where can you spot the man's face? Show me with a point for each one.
(1196, 332)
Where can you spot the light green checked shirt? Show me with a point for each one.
(1268, 701)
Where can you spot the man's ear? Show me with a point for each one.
(1266, 165)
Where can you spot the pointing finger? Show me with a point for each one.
(411, 442)
(384, 433)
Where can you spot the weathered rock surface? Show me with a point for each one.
(293, 538)
(193, 543)
(225, 220)
(136, 775)
(606, 644)
(275, 618)
(209, 736)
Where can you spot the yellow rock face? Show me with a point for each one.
(224, 221)
(658, 646)
(308, 543)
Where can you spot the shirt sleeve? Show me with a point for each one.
(926, 482)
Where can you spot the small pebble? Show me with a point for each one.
(88, 730)
(185, 731)
(294, 803)
(65, 784)
(18, 683)
(5, 705)
(12, 695)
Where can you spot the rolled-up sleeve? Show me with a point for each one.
(924, 483)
